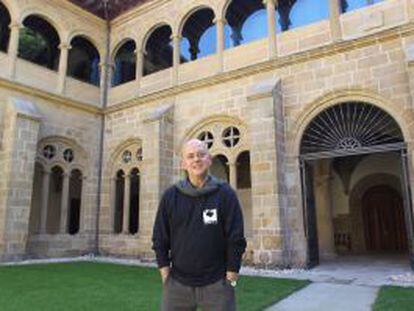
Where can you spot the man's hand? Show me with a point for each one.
(232, 276)
(164, 271)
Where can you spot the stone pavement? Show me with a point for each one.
(348, 283)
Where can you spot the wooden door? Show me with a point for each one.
(383, 217)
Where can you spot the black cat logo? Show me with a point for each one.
(210, 216)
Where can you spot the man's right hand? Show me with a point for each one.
(164, 271)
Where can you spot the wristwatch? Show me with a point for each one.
(233, 283)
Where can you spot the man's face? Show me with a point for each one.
(196, 159)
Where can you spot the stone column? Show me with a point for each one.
(13, 47)
(45, 200)
(220, 22)
(110, 68)
(112, 200)
(140, 67)
(176, 58)
(271, 26)
(233, 175)
(334, 21)
(322, 192)
(127, 190)
(63, 66)
(64, 204)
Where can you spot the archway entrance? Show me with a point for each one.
(355, 188)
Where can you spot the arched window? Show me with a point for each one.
(55, 200)
(247, 21)
(220, 168)
(350, 5)
(134, 202)
(244, 186)
(199, 36)
(119, 201)
(293, 14)
(158, 52)
(83, 61)
(243, 171)
(75, 196)
(4, 28)
(36, 202)
(39, 42)
(125, 64)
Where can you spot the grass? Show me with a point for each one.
(98, 286)
(394, 298)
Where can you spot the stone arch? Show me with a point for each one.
(52, 20)
(81, 160)
(205, 122)
(13, 9)
(113, 165)
(119, 44)
(395, 110)
(125, 186)
(188, 11)
(149, 31)
(80, 33)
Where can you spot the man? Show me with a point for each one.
(198, 238)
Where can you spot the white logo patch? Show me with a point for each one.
(210, 216)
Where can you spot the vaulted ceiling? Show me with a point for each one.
(115, 7)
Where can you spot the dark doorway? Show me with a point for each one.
(383, 216)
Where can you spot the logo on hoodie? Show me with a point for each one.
(210, 216)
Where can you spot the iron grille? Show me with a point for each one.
(350, 126)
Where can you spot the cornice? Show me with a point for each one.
(137, 11)
(57, 99)
(268, 65)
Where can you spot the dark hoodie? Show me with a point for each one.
(199, 232)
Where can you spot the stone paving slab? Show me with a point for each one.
(328, 296)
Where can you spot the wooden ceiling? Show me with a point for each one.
(115, 7)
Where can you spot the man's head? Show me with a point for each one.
(196, 160)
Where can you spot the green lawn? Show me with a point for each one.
(394, 298)
(98, 286)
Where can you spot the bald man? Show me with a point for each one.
(198, 237)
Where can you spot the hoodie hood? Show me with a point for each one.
(212, 184)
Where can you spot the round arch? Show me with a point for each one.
(202, 123)
(35, 11)
(83, 35)
(395, 110)
(188, 11)
(119, 44)
(148, 32)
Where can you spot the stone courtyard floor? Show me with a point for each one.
(345, 283)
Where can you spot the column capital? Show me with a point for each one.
(217, 20)
(64, 46)
(103, 65)
(46, 171)
(15, 24)
(175, 37)
(139, 51)
(66, 174)
(274, 2)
